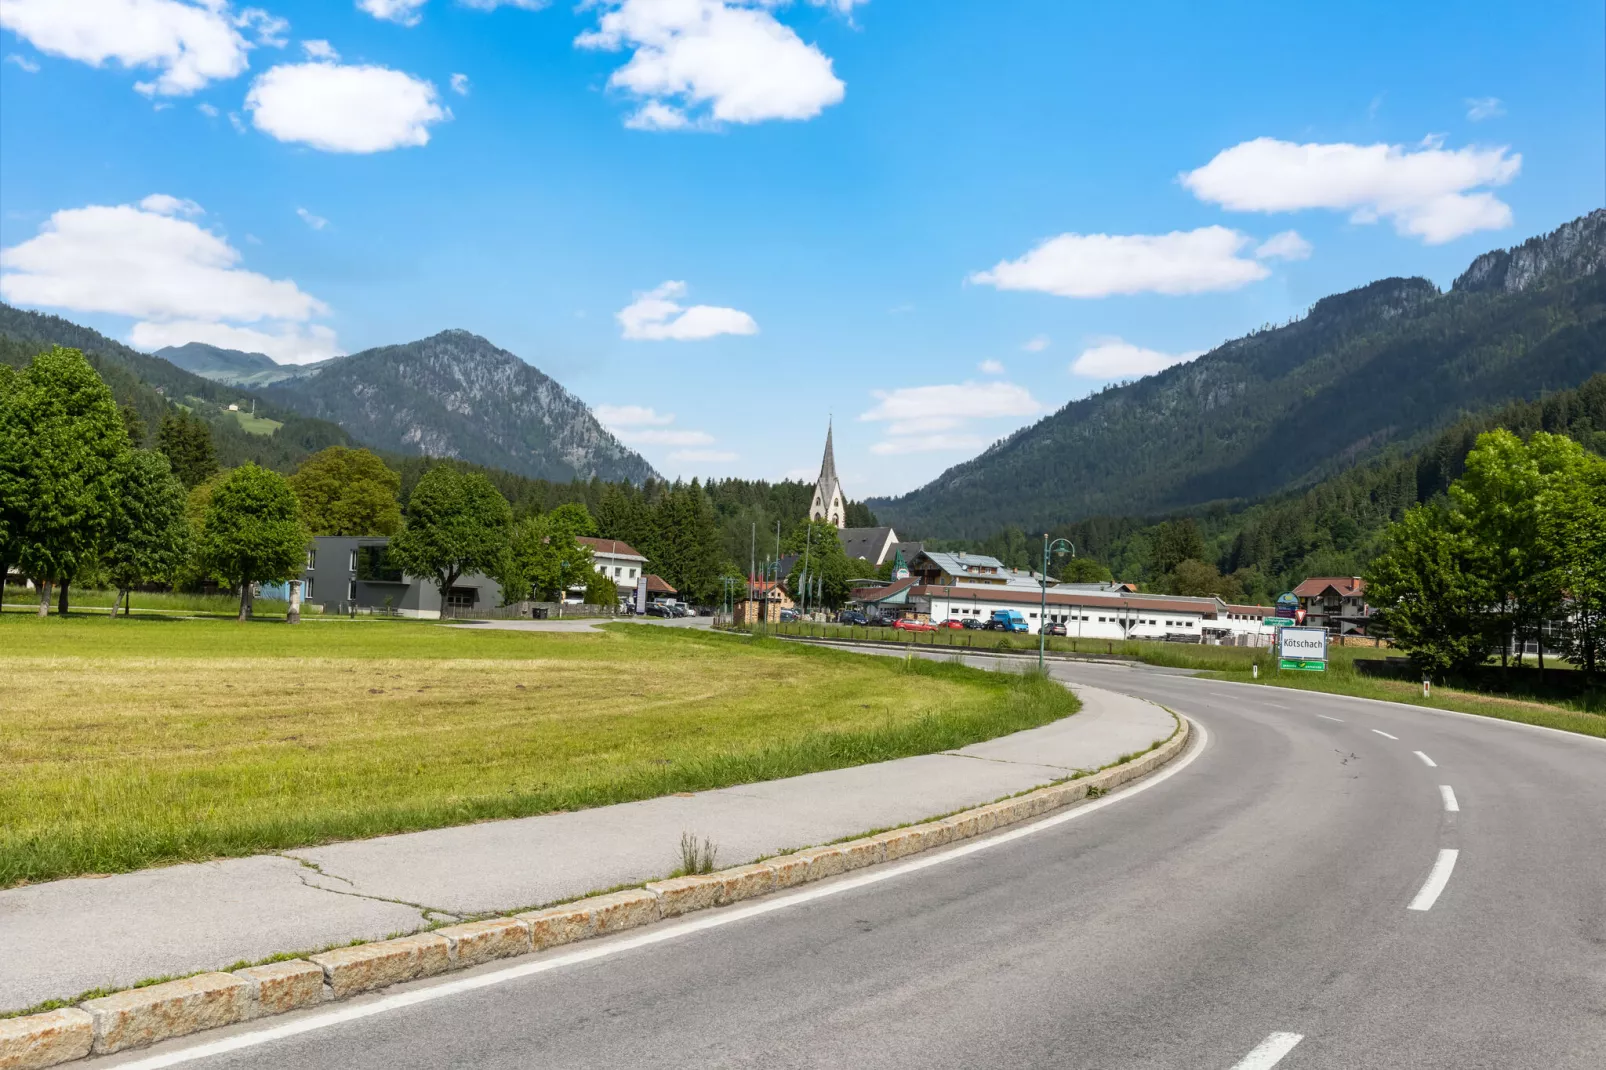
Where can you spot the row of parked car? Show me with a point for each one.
(1001, 620)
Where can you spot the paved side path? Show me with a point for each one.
(61, 938)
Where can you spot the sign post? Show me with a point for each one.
(1302, 649)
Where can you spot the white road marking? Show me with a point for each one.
(1437, 879)
(1276, 706)
(1448, 794)
(657, 934)
(1324, 717)
(1429, 762)
(1269, 1052)
(1384, 734)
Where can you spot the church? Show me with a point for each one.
(875, 545)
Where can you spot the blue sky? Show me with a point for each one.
(720, 221)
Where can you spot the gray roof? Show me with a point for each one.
(866, 542)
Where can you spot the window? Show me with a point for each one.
(353, 559)
(308, 595)
(462, 597)
(1189, 623)
(1102, 620)
(1034, 615)
(312, 558)
(373, 566)
(632, 573)
(617, 571)
(351, 588)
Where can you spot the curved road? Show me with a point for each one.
(1283, 899)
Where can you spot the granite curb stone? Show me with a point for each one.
(175, 1008)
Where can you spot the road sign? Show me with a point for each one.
(1287, 606)
(1302, 648)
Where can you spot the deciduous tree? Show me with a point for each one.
(347, 492)
(62, 453)
(456, 523)
(253, 531)
(1432, 594)
(149, 538)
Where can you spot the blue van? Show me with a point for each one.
(1007, 620)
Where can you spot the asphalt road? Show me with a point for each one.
(1253, 909)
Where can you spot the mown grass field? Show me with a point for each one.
(132, 743)
(87, 600)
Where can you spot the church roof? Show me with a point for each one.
(828, 480)
(868, 543)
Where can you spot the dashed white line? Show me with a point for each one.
(1269, 1052)
(1429, 762)
(1276, 706)
(1448, 794)
(1384, 734)
(1324, 717)
(1437, 879)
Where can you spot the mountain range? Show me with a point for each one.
(454, 395)
(1385, 365)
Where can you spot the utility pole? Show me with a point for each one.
(1042, 612)
(752, 566)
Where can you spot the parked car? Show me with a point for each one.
(790, 616)
(660, 609)
(953, 622)
(973, 624)
(852, 616)
(913, 626)
(1054, 628)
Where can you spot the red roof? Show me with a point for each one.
(1257, 611)
(609, 546)
(1346, 586)
(656, 585)
(876, 594)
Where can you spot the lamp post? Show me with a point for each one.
(1042, 612)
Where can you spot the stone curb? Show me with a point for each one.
(143, 1016)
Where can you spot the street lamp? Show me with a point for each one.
(1042, 612)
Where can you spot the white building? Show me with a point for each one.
(619, 561)
(1085, 614)
(829, 503)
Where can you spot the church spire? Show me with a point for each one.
(829, 501)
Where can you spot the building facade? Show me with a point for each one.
(1337, 603)
(344, 574)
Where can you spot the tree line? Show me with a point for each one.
(82, 500)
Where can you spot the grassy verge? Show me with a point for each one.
(134, 743)
(1570, 717)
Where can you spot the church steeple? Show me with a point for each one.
(829, 502)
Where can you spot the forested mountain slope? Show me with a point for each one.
(457, 395)
(1389, 363)
(151, 386)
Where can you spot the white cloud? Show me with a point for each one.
(1115, 359)
(617, 416)
(652, 436)
(728, 61)
(655, 317)
(1037, 343)
(991, 367)
(1098, 265)
(317, 49)
(289, 343)
(1427, 191)
(1481, 108)
(189, 44)
(923, 419)
(703, 456)
(460, 84)
(167, 204)
(208, 110)
(24, 62)
(316, 222)
(404, 12)
(236, 122)
(152, 262)
(1286, 245)
(344, 108)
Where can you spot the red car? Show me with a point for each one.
(913, 626)
(957, 625)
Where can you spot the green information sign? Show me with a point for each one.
(1303, 663)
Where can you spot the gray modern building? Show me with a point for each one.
(346, 573)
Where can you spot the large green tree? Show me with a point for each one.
(1572, 521)
(822, 564)
(253, 531)
(1432, 593)
(149, 538)
(62, 454)
(457, 523)
(187, 441)
(544, 559)
(344, 491)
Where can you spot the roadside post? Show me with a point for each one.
(1042, 581)
(1302, 649)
